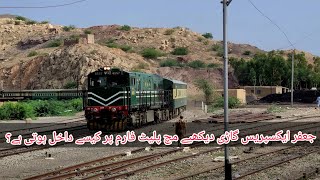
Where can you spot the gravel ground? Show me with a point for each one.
(19, 166)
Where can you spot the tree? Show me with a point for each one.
(206, 88)
(252, 76)
(207, 35)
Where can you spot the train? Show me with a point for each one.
(117, 100)
(42, 94)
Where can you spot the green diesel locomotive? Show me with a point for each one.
(117, 100)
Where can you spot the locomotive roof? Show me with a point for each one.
(176, 81)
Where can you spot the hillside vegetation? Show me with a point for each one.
(35, 54)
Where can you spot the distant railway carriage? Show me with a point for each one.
(117, 100)
(44, 94)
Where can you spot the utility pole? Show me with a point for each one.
(292, 75)
(227, 167)
(20, 75)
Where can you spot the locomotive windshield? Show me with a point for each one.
(107, 81)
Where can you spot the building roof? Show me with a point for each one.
(262, 86)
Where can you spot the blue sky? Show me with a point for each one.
(298, 18)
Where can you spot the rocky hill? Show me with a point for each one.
(41, 55)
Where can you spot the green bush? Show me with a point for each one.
(15, 111)
(76, 104)
(233, 102)
(112, 44)
(125, 48)
(55, 43)
(216, 47)
(17, 22)
(44, 22)
(274, 109)
(170, 63)
(32, 53)
(213, 65)
(197, 64)
(87, 31)
(31, 22)
(74, 37)
(137, 70)
(247, 53)
(70, 85)
(68, 28)
(21, 18)
(220, 53)
(151, 53)
(180, 51)
(125, 28)
(169, 32)
(39, 108)
(207, 35)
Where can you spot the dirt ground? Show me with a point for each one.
(33, 163)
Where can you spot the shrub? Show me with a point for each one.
(169, 32)
(74, 37)
(31, 22)
(68, 28)
(76, 104)
(216, 47)
(233, 102)
(151, 53)
(206, 42)
(200, 39)
(207, 35)
(44, 22)
(32, 53)
(247, 53)
(15, 111)
(112, 45)
(220, 53)
(70, 85)
(39, 108)
(206, 88)
(125, 28)
(197, 64)
(212, 65)
(125, 48)
(87, 31)
(180, 51)
(137, 70)
(21, 18)
(55, 43)
(17, 22)
(274, 109)
(170, 63)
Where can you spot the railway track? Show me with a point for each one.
(90, 170)
(45, 126)
(296, 154)
(78, 130)
(53, 127)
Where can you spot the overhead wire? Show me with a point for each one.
(291, 44)
(41, 7)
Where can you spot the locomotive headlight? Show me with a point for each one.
(106, 68)
(113, 109)
(95, 109)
